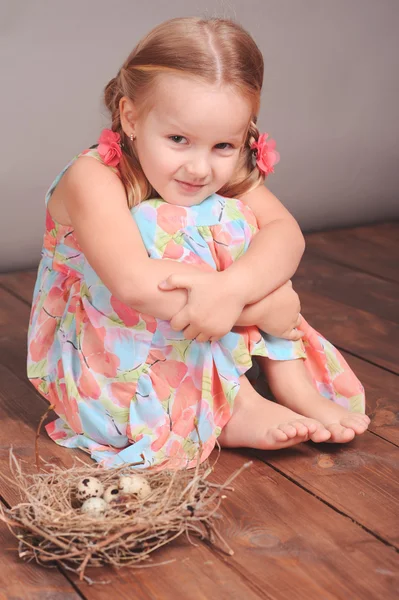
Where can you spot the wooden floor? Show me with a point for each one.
(311, 522)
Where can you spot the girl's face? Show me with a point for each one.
(189, 142)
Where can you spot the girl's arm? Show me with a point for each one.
(270, 261)
(95, 200)
(274, 253)
(277, 314)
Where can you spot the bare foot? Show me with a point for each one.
(293, 388)
(263, 424)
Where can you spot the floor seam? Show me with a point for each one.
(334, 508)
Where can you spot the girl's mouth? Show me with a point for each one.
(188, 187)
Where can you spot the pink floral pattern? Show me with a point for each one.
(124, 384)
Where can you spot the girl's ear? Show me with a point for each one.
(128, 115)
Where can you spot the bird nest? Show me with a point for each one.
(52, 527)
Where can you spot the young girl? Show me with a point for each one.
(165, 262)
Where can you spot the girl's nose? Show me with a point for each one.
(198, 168)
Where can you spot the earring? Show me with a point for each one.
(132, 137)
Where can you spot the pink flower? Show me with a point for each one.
(266, 155)
(109, 147)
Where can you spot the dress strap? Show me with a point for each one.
(92, 152)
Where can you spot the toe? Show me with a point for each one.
(288, 429)
(340, 434)
(358, 425)
(301, 429)
(311, 426)
(365, 418)
(358, 418)
(320, 435)
(278, 435)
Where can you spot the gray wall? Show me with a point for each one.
(330, 100)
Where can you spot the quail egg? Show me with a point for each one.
(89, 487)
(135, 485)
(111, 493)
(94, 507)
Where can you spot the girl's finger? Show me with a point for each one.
(202, 338)
(295, 335)
(179, 321)
(175, 281)
(298, 321)
(191, 333)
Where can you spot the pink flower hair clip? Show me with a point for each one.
(109, 147)
(266, 155)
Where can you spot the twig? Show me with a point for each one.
(51, 407)
(84, 565)
(191, 496)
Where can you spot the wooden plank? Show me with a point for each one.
(344, 284)
(268, 520)
(354, 330)
(20, 283)
(356, 251)
(19, 579)
(385, 234)
(24, 580)
(272, 523)
(360, 478)
(14, 314)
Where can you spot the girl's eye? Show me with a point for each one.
(176, 138)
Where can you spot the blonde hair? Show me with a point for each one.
(215, 51)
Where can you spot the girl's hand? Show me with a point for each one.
(214, 304)
(282, 313)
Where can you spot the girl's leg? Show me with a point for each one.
(263, 424)
(292, 387)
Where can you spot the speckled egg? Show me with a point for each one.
(135, 485)
(94, 507)
(111, 493)
(89, 487)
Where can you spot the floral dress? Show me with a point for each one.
(125, 386)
